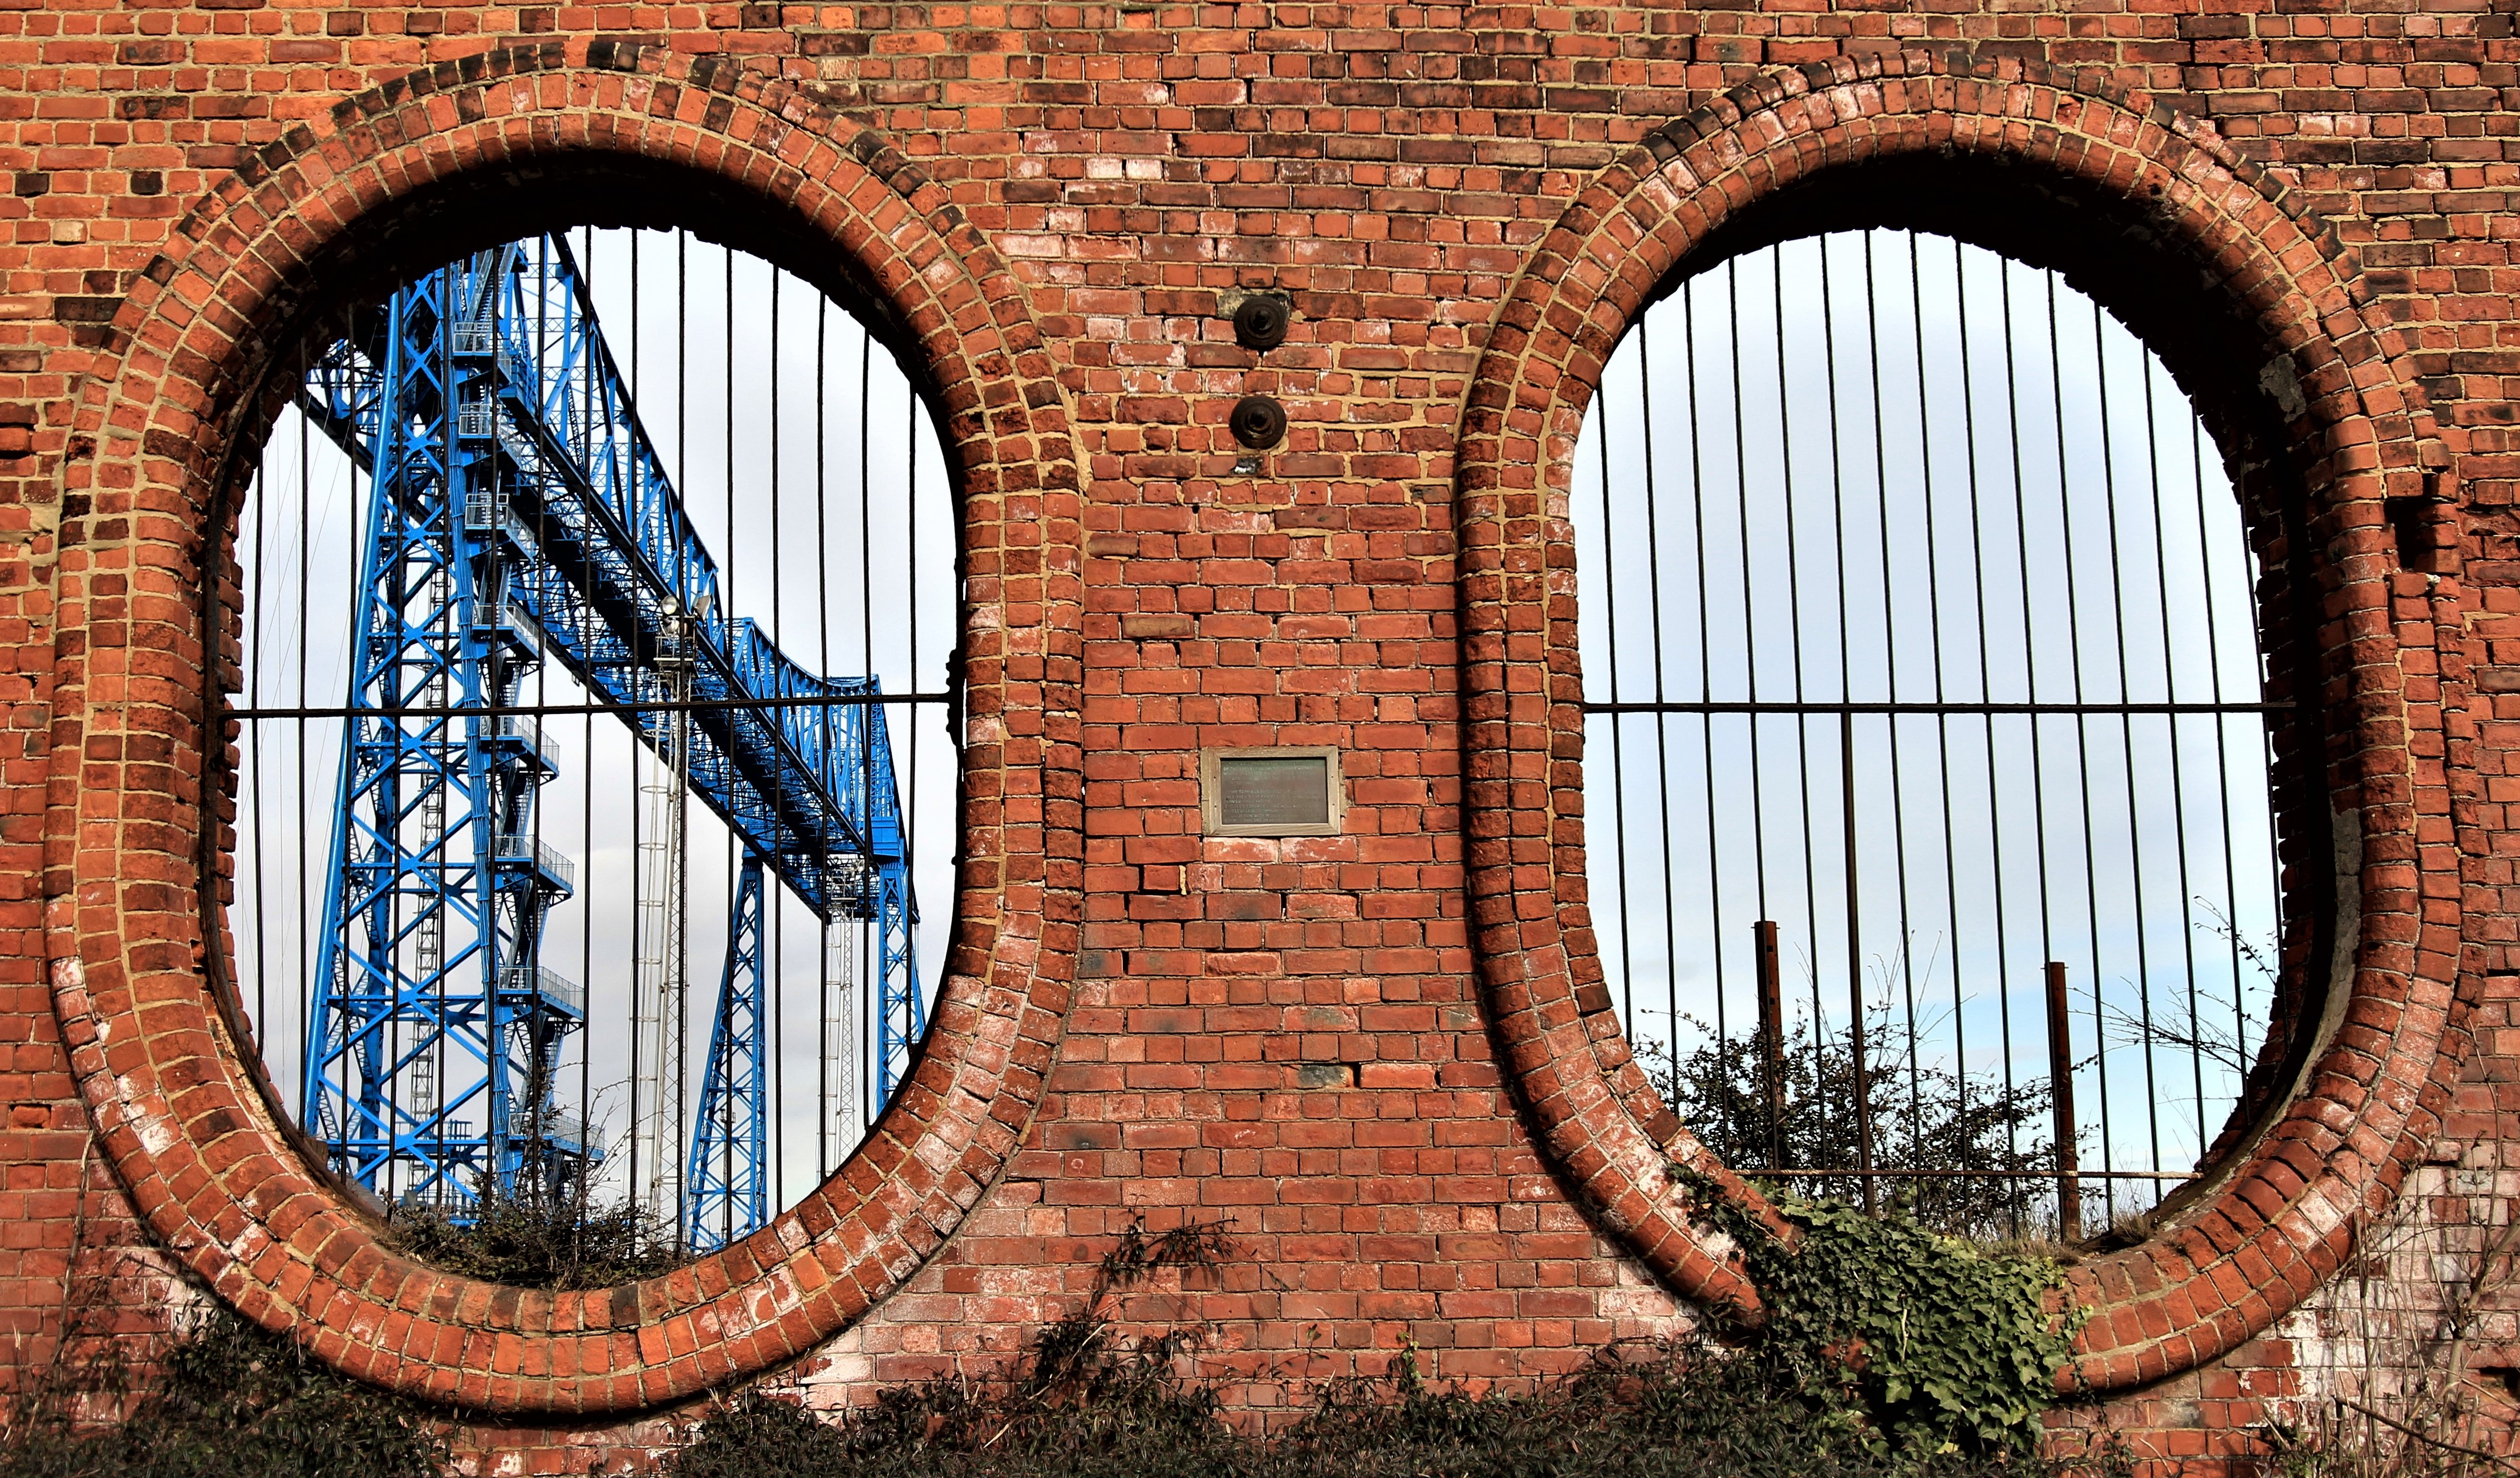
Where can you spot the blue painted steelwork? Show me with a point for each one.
(728, 1176)
(520, 511)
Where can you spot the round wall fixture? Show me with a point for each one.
(1259, 422)
(1260, 322)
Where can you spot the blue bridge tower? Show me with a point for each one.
(518, 514)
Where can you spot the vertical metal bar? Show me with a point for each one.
(586, 952)
(866, 750)
(2126, 743)
(638, 889)
(1986, 693)
(1662, 723)
(1889, 605)
(669, 1121)
(251, 737)
(1995, 830)
(305, 603)
(683, 1104)
(909, 803)
(2029, 641)
(1618, 722)
(1749, 621)
(1837, 505)
(1705, 684)
(870, 971)
(2177, 762)
(532, 1179)
(823, 1050)
(1772, 1038)
(1794, 637)
(2221, 750)
(774, 895)
(2060, 1077)
(2082, 729)
(730, 1112)
(1749, 616)
(1836, 474)
(1861, 1068)
(822, 629)
(586, 742)
(1906, 953)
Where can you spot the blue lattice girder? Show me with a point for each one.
(519, 513)
(429, 1020)
(728, 1172)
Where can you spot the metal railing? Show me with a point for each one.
(557, 1128)
(516, 846)
(544, 981)
(527, 730)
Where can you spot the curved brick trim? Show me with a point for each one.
(2281, 1219)
(161, 1072)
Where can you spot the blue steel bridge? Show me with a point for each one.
(519, 514)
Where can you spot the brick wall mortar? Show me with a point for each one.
(1427, 183)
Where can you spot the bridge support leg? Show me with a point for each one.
(729, 1170)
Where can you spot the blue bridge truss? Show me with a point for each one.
(520, 515)
(728, 1179)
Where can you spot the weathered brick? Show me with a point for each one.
(1296, 1040)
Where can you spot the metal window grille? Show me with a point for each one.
(1927, 757)
(599, 603)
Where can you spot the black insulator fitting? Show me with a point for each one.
(1258, 422)
(1260, 322)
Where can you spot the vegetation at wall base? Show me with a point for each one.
(1940, 1370)
(1664, 1410)
(1890, 1352)
(231, 1401)
(1928, 1341)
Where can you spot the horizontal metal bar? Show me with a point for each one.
(1832, 710)
(559, 710)
(1852, 1174)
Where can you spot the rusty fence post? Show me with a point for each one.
(2060, 1095)
(1772, 1040)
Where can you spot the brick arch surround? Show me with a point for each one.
(2281, 1219)
(196, 1148)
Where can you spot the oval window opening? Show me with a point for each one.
(597, 767)
(1929, 739)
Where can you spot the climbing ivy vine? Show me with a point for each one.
(1934, 1344)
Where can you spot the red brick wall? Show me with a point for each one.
(1382, 1057)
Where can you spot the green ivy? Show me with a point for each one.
(1934, 1343)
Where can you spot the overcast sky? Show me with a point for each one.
(1886, 503)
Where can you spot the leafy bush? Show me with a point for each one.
(1924, 1119)
(532, 1242)
(544, 1230)
(1931, 1342)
